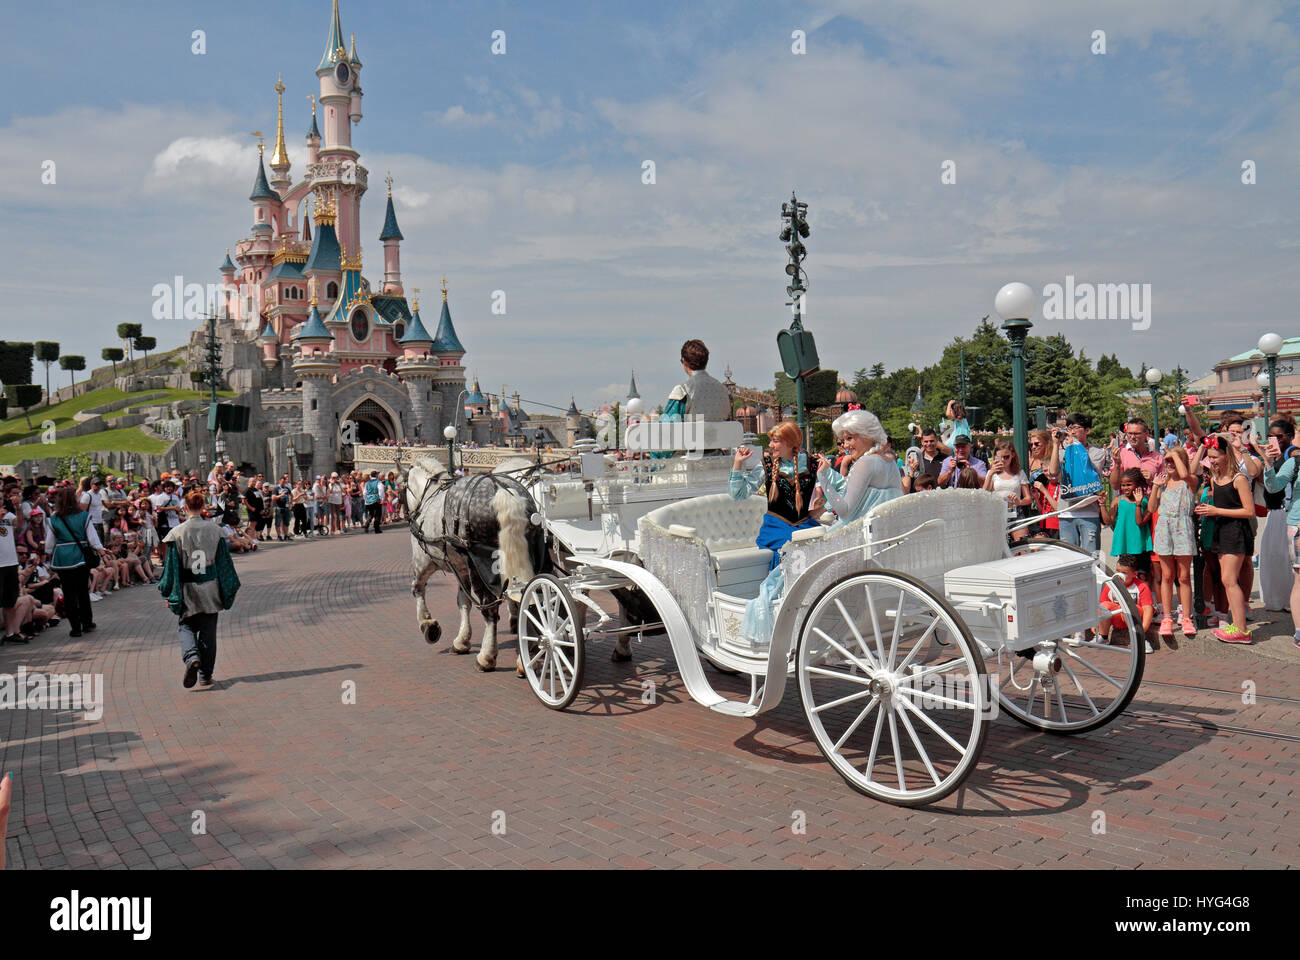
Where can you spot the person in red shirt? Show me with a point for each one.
(1141, 594)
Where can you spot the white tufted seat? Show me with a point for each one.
(726, 528)
(566, 499)
(973, 531)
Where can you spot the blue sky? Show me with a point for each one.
(523, 172)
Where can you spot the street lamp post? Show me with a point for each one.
(798, 350)
(289, 453)
(1265, 388)
(449, 433)
(1014, 303)
(1270, 345)
(1154, 377)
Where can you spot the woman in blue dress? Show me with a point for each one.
(789, 491)
(873, 477)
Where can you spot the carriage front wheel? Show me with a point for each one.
(551, 646)
(893, 687)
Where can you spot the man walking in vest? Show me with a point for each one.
(198, 582)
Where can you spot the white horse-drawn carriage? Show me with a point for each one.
(906, 631)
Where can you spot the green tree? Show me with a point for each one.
(144, 345)
(16, 361)
(877, 371)
(25, 395)
(72, 363)
(47, 352)
(819, 389)
(128, 332)
(113, 355)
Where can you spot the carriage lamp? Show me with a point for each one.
(1014, 303)
(1153, 377)
(290, 453)
(1270, 345)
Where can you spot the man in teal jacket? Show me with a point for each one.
(198, 582)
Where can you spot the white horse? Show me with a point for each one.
(477, 528)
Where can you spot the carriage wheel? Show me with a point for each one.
(893, 686)
(551, 645)
(1077, 683)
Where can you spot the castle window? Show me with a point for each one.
(332, 291)
(313, 403)
(399, 331)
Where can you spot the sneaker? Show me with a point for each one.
(96, 596)
(205, 681)
(1150, 647)
(1189, 628)
(1250, 615)
(191, 673)
(1167, 628)
(1296, 638)
(1231, 634)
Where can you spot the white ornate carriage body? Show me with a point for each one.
(894, 615)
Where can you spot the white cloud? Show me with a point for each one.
(457, 116)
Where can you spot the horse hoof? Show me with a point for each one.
(519, 669)
(459, 649)
(432, 632)
(485, 667)
(618, 657)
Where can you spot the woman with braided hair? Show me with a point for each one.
(788, 484)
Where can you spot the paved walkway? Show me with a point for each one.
(432, 756)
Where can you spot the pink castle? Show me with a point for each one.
(343, 361)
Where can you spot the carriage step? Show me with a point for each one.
(734, 709)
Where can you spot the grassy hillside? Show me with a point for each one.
(15, 428)
(132, 438)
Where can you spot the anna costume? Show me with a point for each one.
(787, 511)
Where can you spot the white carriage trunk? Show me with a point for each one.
(1019, 602)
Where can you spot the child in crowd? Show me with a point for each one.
(1127, 513)
(1232, 506)
(1141, 594)
(1172, 499)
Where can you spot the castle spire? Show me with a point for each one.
(334, 50)
(280, 156)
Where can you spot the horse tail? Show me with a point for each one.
(512, 522)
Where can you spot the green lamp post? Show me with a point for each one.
(1154, 377)
(1270, 345)
(1014, 303)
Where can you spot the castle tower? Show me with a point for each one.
(572, 422)
(418, 371)
(266, 202)
(480, 420)
(313, 134)
(340, 99)
(229, 291)
(450, 376)
(316, 367)
(280, 178)
(391, 237)
(269, 342)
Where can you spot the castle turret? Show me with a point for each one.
(313, 134)
(391, 236)
(265, 200)
(449, 351)
(572, 422)
(316, 366)
(269, 342)
(418, 371)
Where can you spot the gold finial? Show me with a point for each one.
(313, 298)
(312, 98)
(444, 289)
(389, 180)
(258, 134)
(415, 304)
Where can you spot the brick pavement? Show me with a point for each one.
(433, 754)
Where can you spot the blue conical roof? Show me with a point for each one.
(415, 332)
(228, 265)
(445, 340)
(475, 398)
(334, 43)
(325, 251)
(261, 189)
(314, 327)
(573, 409)
(390, 231)
(267, 332)
(315, 130)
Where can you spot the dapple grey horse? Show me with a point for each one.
(479, 529)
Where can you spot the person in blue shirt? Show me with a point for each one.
(873, 476)
(374, 495)
(1280, 471)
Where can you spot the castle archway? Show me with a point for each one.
(374, 423)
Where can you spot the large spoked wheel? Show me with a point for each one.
(551, 645)
(893, 686)
(1081, 682)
